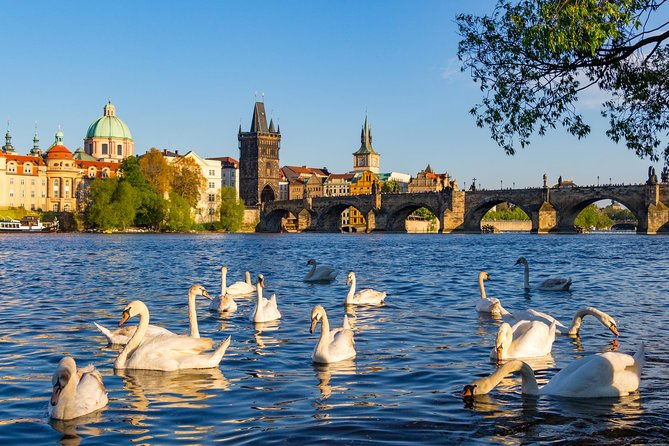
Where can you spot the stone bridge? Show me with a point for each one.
(549, 209)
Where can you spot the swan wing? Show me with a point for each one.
(531, 339)
(608, 374)
(321, 273)
(342, 344)
(369, 296)
(91, 394)
(122, 335)
(240, 289)
(556, 284)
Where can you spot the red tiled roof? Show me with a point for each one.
(60, 152)
(341, 176)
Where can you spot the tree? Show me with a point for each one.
(593, 217)
(532, 58)
(178, 216)
(156, 170)
(391, 186)
(232, 210)
(131, 171)
(187, 180)
(113, 204)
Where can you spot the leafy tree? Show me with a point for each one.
(506, 212)
(391, 186)
(593, 217)
(187, 180)
(131, 171)
(532, 58)
(156, 170)
(152, 210)
(125, 201)
(99, 212)
(178, 216)
(232, 210)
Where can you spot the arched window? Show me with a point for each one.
(66, 208)
(268, 169)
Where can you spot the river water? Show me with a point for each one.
(415, 353)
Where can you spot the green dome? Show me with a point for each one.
(108, 126)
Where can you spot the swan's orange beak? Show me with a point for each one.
(205, 294)
(468, 391)
(124, 317)
(314, 322)
(613, 329)
(499, 354)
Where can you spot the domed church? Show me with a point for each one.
(108, 138)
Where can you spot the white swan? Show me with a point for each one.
(531, 315)
(526, 339)
(76, 391)
(266, 309)
(551, 284)
(168, 352)
(601, 375)
(224, 303)
(320, 273)
(122, 335)
(239, 289)
(333, 346)
(367, 296)
(486, 304)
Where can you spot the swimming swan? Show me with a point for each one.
(225, 302)
(526, 339)
(551, 284)
(490, 305)
(367, 296)
(168, 352)
(266, 309)
(333, 346)
(122, 335)
(238, 289)
(601, 375)
(320, 273)
(533, 315)
(76, 391)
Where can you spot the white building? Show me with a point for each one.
(207, 209)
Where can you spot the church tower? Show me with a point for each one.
(366, 158)
(259, 171)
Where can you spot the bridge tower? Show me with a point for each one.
(259, 172)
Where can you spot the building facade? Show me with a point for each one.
(207, 209)
(337, 185)
(108, 138)
(259, 174)
(229, 172)
(428, 181)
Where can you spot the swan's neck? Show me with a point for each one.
(247, 277)
(224, 280)
(530, 387)
(527, 275)
(351, 291)
(578, 319)
(259, 305)
(192, 316)
(135, 340)
(325, 333)
(482, 287)
(313, 270)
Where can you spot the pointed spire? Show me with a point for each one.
(59, 138)
(35, 150)
(259, 120)
(8, 147)
(271, 125)
(366, 138)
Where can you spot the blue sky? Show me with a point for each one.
(183, 74)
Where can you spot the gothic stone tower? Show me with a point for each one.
(259, 171)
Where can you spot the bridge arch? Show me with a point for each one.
(568, 215)
(329, 218)
(473, 218)
(396, 220)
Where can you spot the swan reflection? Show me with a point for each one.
(265, 327)
(180, 389)
(74, 431)
(324, 373)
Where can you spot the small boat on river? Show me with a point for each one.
(28, 223)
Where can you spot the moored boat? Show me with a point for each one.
(28, 223)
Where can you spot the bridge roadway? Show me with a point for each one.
(549, 209)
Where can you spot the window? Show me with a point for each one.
(43, 182)
(56, 207)
(66, 208)
(11, 181)
(56, 187)
(32, 194)
(105, 173)
(212, 197)
(212, 173)
(268, 169)
(11, 167)
(28, 168)
(32, 182)
(105, 149)
(119, 150)
(23, 181)
(212, 185)
(211, 211)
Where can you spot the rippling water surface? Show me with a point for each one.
(415, 353)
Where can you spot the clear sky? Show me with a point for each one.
(183, 75)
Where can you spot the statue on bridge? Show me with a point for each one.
(545, 181)
(665, 174)
(652, 178)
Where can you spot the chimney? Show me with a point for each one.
(176, 152)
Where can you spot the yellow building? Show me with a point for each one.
(22, 178)
(363, 183)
